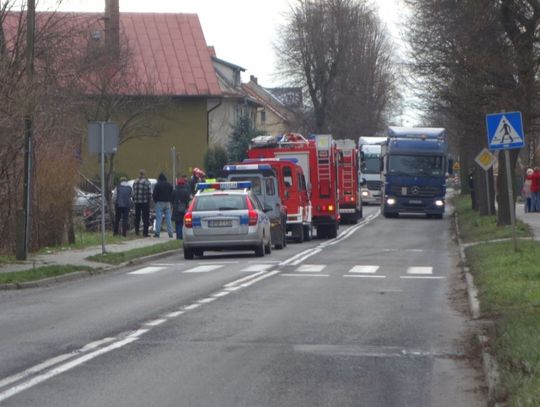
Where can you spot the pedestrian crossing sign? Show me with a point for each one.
(505, 131)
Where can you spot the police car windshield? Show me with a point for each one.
(416, 165)
(220, 202)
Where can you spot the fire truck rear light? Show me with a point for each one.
(330, 208)
(323, 208)
(352, 198)
(188, 220)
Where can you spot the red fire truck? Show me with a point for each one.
(350, 204)
(318, 157)
(294, 194)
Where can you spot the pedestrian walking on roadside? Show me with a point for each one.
(535, 190)
(122, 206)
(180, 202)
(142, 195)
(162, 196)
(526, 190)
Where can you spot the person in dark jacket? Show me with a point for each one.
(180, 202)
(122, 206)
(142, 195)
(162, 197)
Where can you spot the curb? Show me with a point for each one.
(82, 274)
(489, 364)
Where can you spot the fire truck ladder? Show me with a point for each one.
(347, 176)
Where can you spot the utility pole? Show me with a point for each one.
(28, 125)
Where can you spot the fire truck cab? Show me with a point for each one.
(350, 203)
(294, 194)
(318, 158)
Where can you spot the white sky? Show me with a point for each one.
(242, 31)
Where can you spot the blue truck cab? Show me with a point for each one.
(414, 165)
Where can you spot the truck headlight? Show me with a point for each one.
(391, 201)
(365, 193)
(439, 202)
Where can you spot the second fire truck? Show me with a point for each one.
(319, 158)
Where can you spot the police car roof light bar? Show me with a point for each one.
(201, 186)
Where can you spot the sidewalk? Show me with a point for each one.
(77, 257)
(530, 218)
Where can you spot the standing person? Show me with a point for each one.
(198, 175)
(526, 190)
(162, 196)
(180, 202)
(142, 194)
(535, 190)
(122, 206)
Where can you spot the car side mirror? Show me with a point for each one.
(363, 182)
(267, 208)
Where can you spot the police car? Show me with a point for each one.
(226, 216)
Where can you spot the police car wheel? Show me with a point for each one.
(268, 247)
(188, 254)
(259, 250)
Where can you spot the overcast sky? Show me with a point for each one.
(242, 31)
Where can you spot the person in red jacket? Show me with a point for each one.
(535, 189)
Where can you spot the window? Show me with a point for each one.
(219, 202)
(263, 116)
(301, 181)
(420, 165)
(287, 176)
(270, 186)
(255, 183)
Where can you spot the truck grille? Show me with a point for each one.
(424, 191)
(374, 185)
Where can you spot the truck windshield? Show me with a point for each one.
(416, 165)
(371, 164)
(255, 183)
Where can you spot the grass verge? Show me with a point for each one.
(85, 239)
(474, 228)
(122, 257)
(39, 273)
(509, 291)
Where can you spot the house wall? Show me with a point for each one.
(273, 124)
(182, 124)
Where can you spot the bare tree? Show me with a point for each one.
(337, 51)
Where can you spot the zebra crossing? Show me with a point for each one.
(359, 271)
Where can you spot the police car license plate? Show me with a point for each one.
(415, 201)
(220, 223)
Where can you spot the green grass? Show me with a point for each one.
(39, 273)
(122, 257)
(474, 228)
(85, 239)
(509, 293)
(7, 259)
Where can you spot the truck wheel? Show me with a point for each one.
(281, 244)
(188, 253)
(332, 231)
(307, 233)
(299, 234)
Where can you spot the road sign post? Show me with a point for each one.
(102, 138)
(505, 132)
(486, 160)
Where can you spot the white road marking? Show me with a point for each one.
(138, 333)
(423, 277)
(206, 300)
(364, 269)
(155, 322)
(204, 269)
(221, 294)
(301, 259)
(363, 276)
(96, 344)
(192, 306)
(174, 314)
(304, 275)
(241, 280)
(233, 288)
(264, 276)
(310, 268)
(204, 263)
(419, 270)
(257, 267)
(64, 368)
(147, 270)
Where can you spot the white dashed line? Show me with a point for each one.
(192, 306)
(422, 277)
(363, 276)
(364, 269)
(204, 269)
(304, 275)
(310, 268)
(207, 300)
(155, 322)
(221, 294)
(147, 270)
(258, 267)
(174, 314)
(419, 270)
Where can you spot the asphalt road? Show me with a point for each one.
(372, 318)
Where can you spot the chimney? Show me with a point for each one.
(112, 26)
(253, 78)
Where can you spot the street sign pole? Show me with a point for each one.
(487, 189)
(102, 152)
(510, 198)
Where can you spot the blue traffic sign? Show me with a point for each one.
(505, 131)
